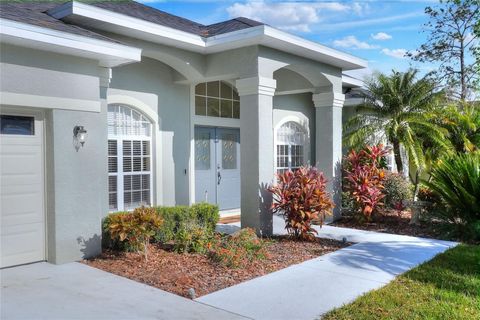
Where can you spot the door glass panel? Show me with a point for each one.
(229, 151)
(202, 150)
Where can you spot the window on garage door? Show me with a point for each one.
(129, 158)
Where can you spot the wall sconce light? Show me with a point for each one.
(80, 134)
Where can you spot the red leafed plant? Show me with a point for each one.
(301, 197)
(364, 175)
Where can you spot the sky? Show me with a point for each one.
(377, 31)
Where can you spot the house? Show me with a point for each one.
(107, 106)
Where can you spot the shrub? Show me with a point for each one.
(206, 214)
(301, 197)
(237, 249)
(172, 217)
(396, 189)
(193, 237)
(364, 175)
(175, 218)
(135, 228)
(456, 179)
(426, 194)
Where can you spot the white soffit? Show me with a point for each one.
(108, 54)
(88, 15)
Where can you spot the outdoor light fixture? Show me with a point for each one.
(80, 134)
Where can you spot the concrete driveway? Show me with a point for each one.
(77, 291)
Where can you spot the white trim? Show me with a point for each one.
(260, 35)
(48, 102)
(256, 85)
(328, 99)
(306, 128)
(351, 82)
(216, 122)
(108, 53)
(191, 162)
(156, 141)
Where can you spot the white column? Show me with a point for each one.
(256, 141)
(328, 142)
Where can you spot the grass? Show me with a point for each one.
(447, 287)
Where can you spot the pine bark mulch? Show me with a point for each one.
(392, 221)
(177, 273)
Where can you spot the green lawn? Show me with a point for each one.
(447, 287)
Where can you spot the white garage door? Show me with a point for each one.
(22, 212)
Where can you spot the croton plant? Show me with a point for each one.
(300, 196)
(364, 176)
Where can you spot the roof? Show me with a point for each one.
(33, 13)
(36, 13)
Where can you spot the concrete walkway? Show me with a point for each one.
(309, 289)
(76, 291)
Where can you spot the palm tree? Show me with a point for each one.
(463, 125)
(398, 108)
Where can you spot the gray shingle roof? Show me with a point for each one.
(34, 13)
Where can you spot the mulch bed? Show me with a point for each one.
(177, 273)
(391, 222)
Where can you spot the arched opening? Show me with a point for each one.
(291, 141)
(217, 99)
(130, 158)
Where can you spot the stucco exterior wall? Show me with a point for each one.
(35, 72)
(76, 181)
(149, 87)
(76, 185)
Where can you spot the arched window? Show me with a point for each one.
(217, 99)
(129, 158)
(290, 147)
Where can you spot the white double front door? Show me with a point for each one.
(217, 166)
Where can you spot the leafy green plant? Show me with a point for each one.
(238, 249)
(397, 189)
(193, 237)
(301, 197)
(456, 179)
(135, 228)
(364, 175)
(202, 214)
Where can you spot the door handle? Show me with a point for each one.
(219, 177)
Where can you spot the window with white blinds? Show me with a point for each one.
(290, 147)
(129, 158)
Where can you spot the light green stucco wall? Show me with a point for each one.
(151, 83)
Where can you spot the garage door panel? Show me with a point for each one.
(20, 243)
(22, 232)
(21, 208)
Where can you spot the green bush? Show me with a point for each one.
(172, 217)
(193, 237)
(456, 179)
(396, 189)
(176, 218)
(206, 214)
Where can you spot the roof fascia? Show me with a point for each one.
(109, 54)
(260, 35)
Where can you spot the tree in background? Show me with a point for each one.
(399, 109)
(451, 43)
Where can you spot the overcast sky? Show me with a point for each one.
(378, 31)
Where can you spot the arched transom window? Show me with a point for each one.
(129, 158)
(291, 142)
(217, 99)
